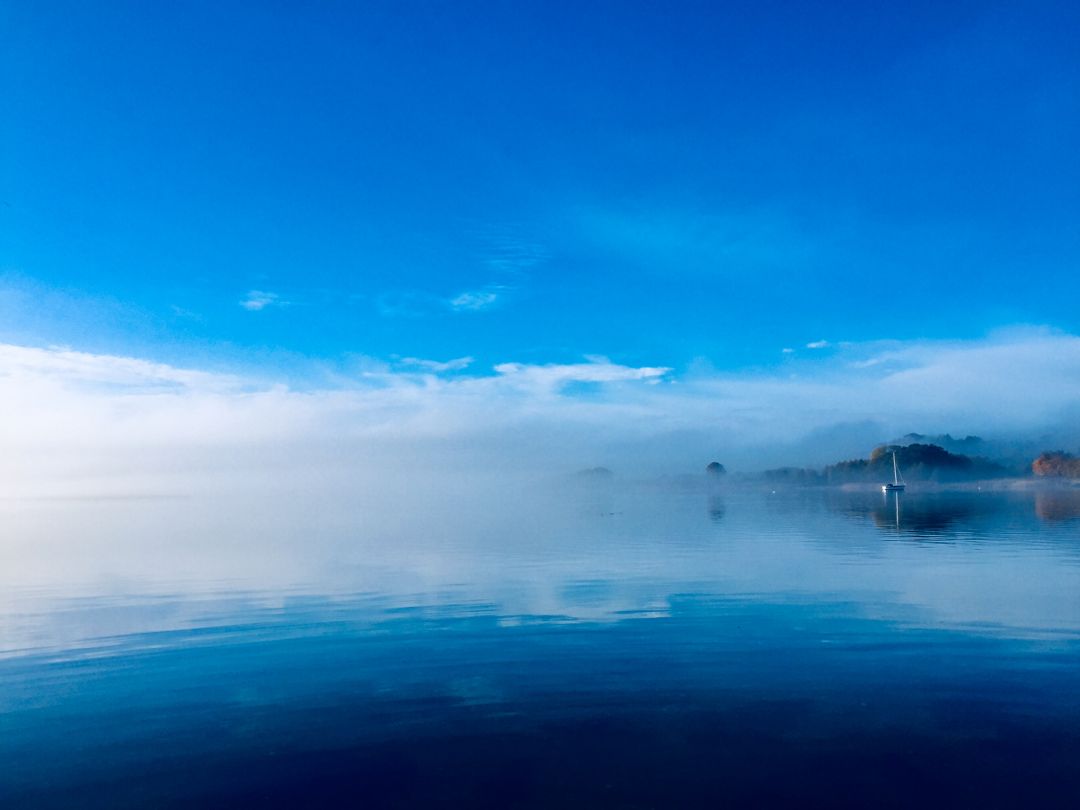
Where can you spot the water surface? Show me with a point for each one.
(636, 645)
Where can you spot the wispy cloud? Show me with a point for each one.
(476, 300)
(502, 261)
(186, 314)
(63, 367)
(258, 300)
(508, 253)
(818, 344)
(507, 258)
(553, 377)
(419, 304)
(435, 366)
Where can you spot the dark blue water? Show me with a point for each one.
(623, 646)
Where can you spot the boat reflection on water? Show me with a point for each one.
(896, 502)
(927, 515)
(944, 514)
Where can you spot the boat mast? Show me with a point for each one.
(895, 474)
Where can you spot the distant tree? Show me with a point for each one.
(878, 452)
(715, 468)
(1056, 464)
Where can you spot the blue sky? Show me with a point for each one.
(274, 184)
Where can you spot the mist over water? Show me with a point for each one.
(80, 424)
(528, 539)
(514, 640)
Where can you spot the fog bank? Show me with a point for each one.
(78, 423)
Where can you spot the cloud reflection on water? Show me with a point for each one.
(586, 552)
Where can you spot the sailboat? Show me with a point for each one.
(897, 484)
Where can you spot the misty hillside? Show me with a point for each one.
(968, 446)
(1015, 454)
(917, 462)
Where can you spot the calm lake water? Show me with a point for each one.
(599, 644)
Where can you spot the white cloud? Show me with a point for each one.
(818, 344)
(553, 377)
(474, 300)
(58, 365)
(258, 300)
(68, 417)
